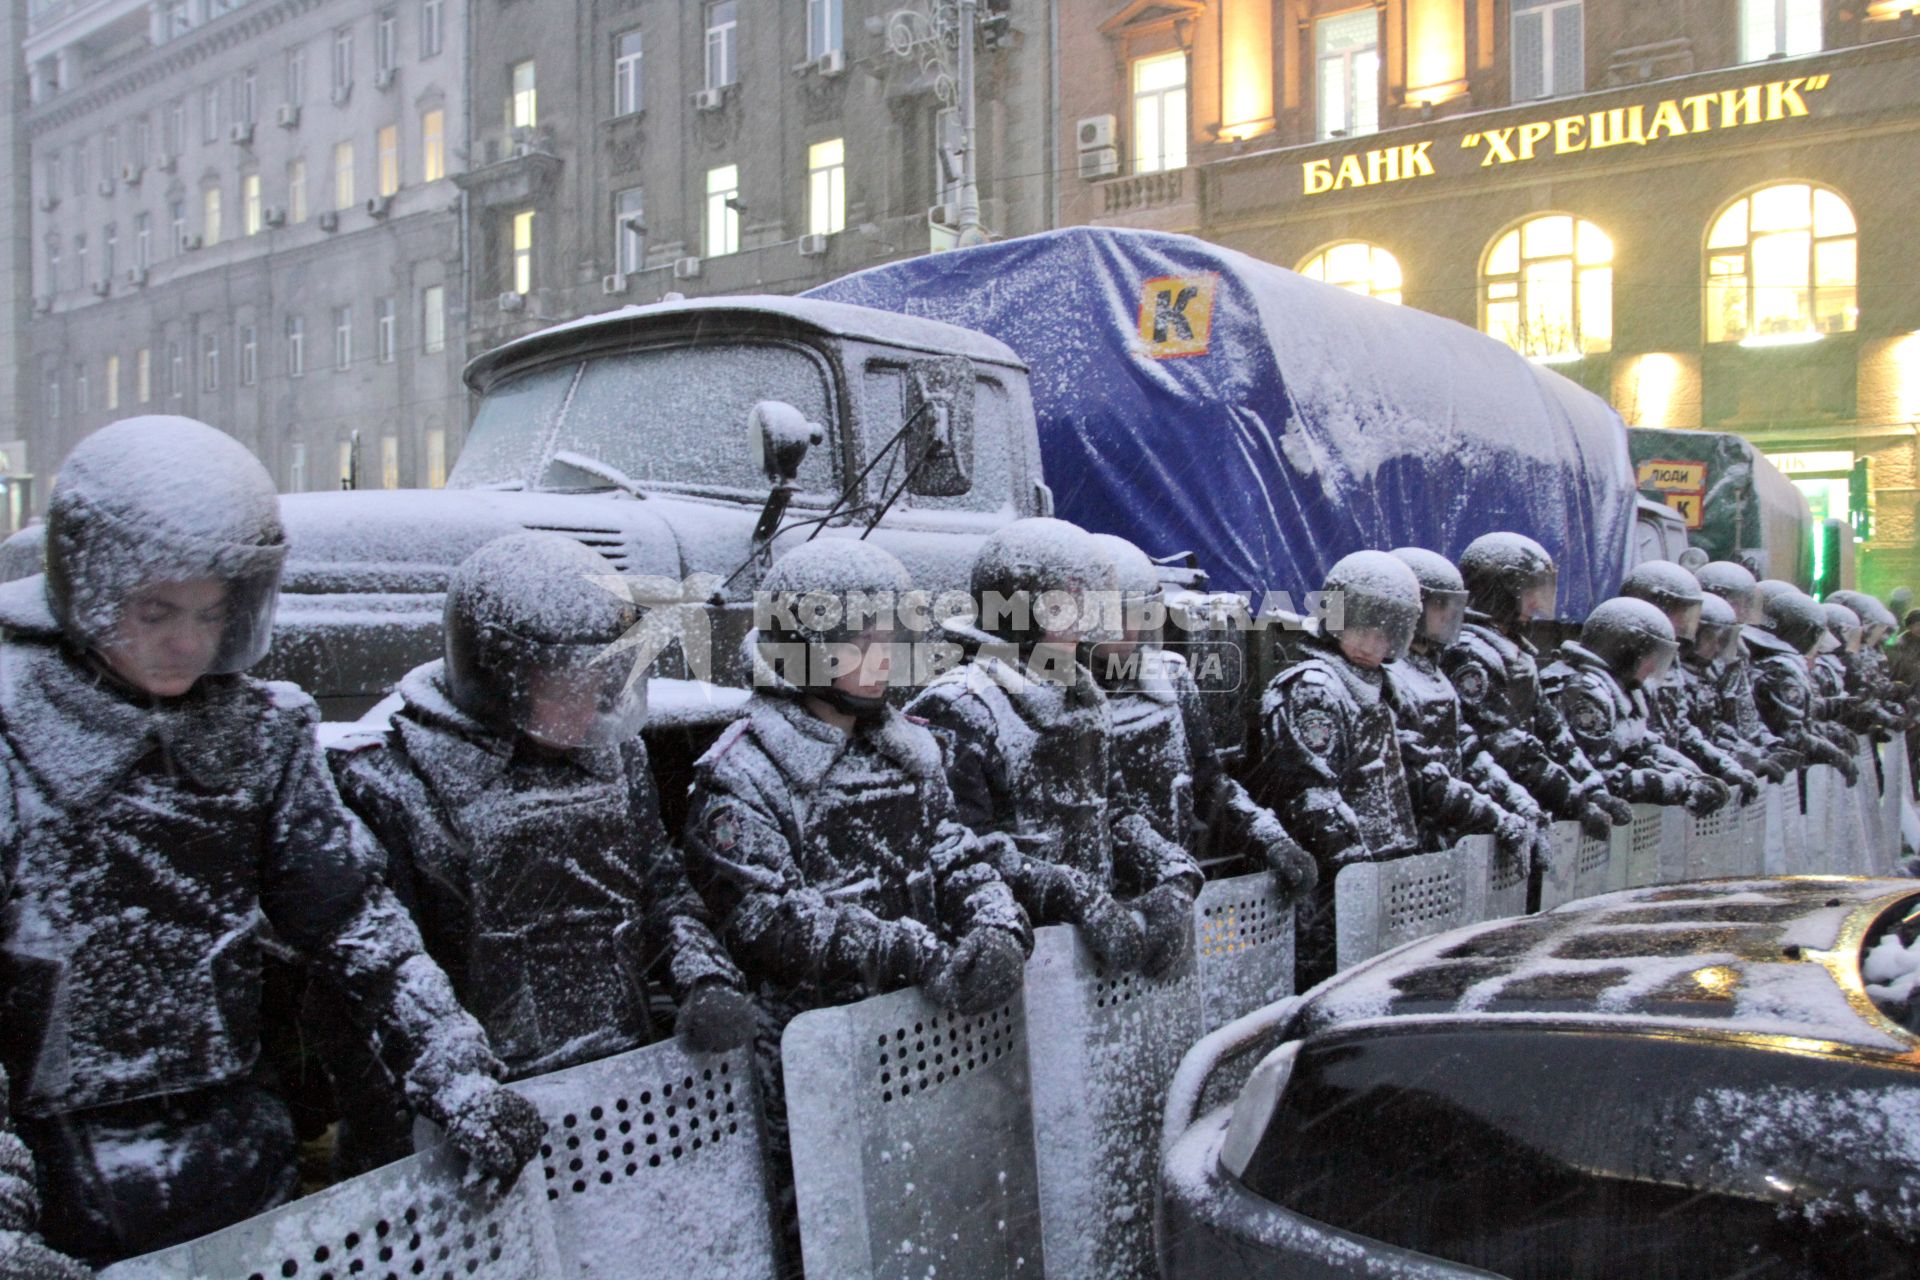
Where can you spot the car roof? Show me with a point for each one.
(1775, 957)
(750, 312)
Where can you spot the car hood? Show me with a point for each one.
(409, 540)
(1771, 957)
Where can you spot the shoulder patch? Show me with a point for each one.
(722, 827)
(1312, 715)
(1470, 681)
(1587, 714)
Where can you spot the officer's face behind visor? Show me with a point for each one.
(1446, 613)
(576, 697)
(1710, 642)
(1655, 665)
(1374, 644)
(1685, 619)
(1538, 597)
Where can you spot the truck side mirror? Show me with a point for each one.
(939, 410)
(781, 436)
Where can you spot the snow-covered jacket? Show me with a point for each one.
(543, 884)
(1609, 722)
(1447, 802)
(1330, 763)
(1670, 714)
(833, 862)
(1785, 698)
(1163, 776)
(1714, 696)
(1497, 678)
(146, 849)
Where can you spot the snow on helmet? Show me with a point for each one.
(1142, 596)
(1668, 587)
(1874, 616)
(1734, 583)
(1633, 637)
(1843, 624)
(161, 499)
(1509, 577)
(1718, 626)
(825, 596)
(1373, 591)
(529, 636)
(1799, 622)
(1443, 594)
(1038, 575)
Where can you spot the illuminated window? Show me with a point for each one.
(436, 459)
(523, 108)
(827, 187)
(387, 148)
(1779, 28)
(523, 251)
(1549, 58)
(250, 212)
(1347, 53)
(1358, 267)
(143, 374)
(210, 217)
(343, 175)
(1160, 113)
(389, 462)
(113, 383)
(1782, 265)
(1547, 288)
(433, 318)
(433, 145)
(723, 210)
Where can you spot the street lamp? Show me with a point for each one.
(941, 38)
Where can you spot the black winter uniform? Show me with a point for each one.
(1786, 700)
(1669, 715)
(1449, 800)
(147, 850)
(1498, 681)
(1610, 723)
(1331, 769)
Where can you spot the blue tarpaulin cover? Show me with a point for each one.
(1193, 398)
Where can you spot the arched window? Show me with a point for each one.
(1547, 288)
(1357, 266)
(1782, 266)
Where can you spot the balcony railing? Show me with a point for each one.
(1144, 191)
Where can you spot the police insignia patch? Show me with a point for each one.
(1315, 729)
(1470, 683)
(1792, 694)
(723, 829)
(1587, 717)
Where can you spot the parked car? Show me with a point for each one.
(1685, 1081)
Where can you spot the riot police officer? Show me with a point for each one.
(1331, 765)
(1599, 683)
(822, 833)
(1511, 580)
(1029, 738)
(1449, 799)
(1163, 768)
(1695, 677)
(1837, 704)
(1676, 593)
(1733, 673)
(162, 810)
(1795, 629)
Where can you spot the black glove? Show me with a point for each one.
(715, 1017)
(1167, 941)
(1849, 769)
(1513, 833)
(1111, 932)
(23, 1257)
(1705, 795)
(1293, 867)
(1749, 787)
(907, 955)
(498, 1131)
(1621, 811)
(1596, 822)
(984, 972)
(1770, 768)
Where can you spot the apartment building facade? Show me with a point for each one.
(1699, 211)
(243, 211)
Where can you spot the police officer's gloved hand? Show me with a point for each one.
(1596, 822)
(906, 954)
(984, 972)
(1771, 768)
(1111, 932)
(1167, 938)
(1749, 787)
(715, 1017)
(1705, 795)
(23, 1257)
(497, 1130)
(1294, 869)
(1513, 833)
(1788, 760)
(1622, 811)
(1849, 769)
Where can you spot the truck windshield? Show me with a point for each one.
(671, 416)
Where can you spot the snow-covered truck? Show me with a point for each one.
(1736, 504)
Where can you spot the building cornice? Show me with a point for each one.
(167, 61)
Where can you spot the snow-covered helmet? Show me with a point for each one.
(1843, 624)
(1443, 594)
(826, 596)
(529, 629)
(1633, 637)
(1718, 626)
(1799, 621)
(1668, 587)
(164, 499)
(1039, 575)
(1509, 577)
(1768, 588)
(1371, 591)
(1876, 620)
(1142, 596)
(1734, 583)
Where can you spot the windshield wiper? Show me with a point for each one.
(601, 471)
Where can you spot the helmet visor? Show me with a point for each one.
(1655, 663)
(1825, 643)
(577, 697)
(1710, 641)
(1445, 613)
(1539, 594)
(1685, 619)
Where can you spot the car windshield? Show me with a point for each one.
(671, 416)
